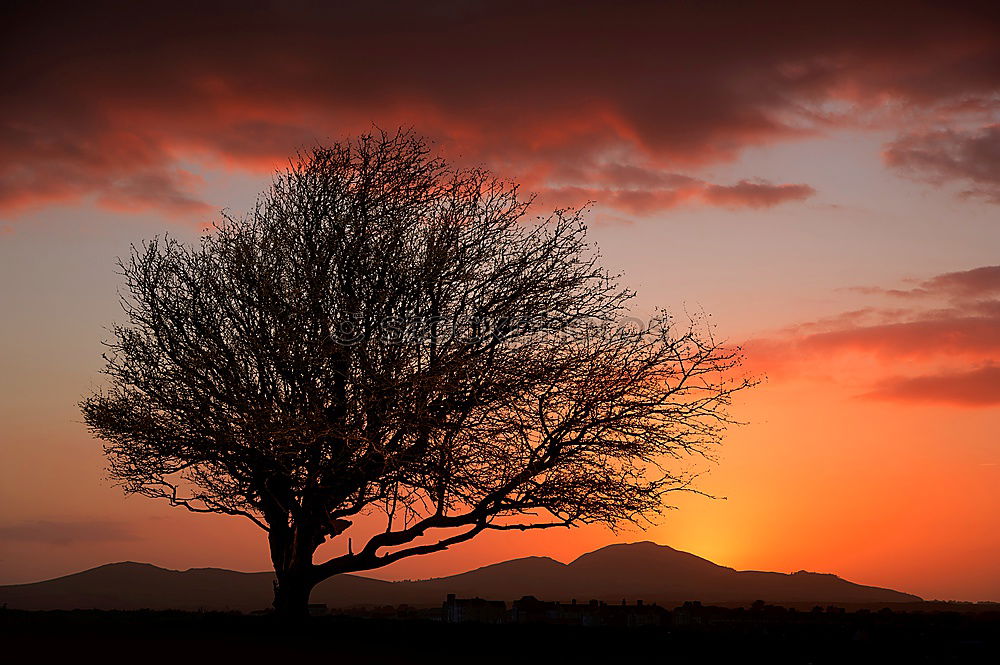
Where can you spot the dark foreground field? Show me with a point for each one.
(142, 638)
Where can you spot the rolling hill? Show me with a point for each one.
(644, 570)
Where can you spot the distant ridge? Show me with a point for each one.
(644, 570)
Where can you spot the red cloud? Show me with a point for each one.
(123, 170)
(957, 349)
(632, 201)
(107, 99)
(954, 335)
(977, 388)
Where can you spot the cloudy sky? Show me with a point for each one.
(824, 182)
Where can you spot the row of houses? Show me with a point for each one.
(691, 614)
(532, 610)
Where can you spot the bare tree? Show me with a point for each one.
(388, 335)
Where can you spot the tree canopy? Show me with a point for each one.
(385, 334)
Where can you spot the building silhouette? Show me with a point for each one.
(530, 609)
(463, 610)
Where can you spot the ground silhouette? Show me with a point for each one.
(769, 634)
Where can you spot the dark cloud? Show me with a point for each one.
(656, 198)
(756, 194)
(106, 98)
(974, 284)
(641, 190)
(970, 158)
(975, 388)
(67, 533)
(163, 190)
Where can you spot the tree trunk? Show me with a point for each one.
(292, 544)
(291, 596)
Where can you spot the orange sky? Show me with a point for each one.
(823, 182)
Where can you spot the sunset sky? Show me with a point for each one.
(825, 183)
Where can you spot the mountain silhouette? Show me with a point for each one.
(645, 570)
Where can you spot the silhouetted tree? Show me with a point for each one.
(388, 335)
